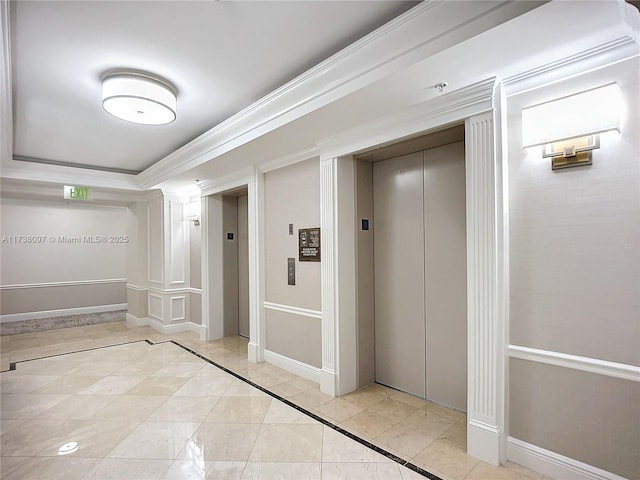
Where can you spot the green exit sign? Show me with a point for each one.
(76, 193)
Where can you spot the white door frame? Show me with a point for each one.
(212, 256)
(481, 107)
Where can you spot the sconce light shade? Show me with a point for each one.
(139, 99)
(582, 114)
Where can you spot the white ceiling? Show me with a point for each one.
(221, 55)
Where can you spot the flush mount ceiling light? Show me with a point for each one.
(139, 98)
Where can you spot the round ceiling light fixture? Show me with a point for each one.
(139, 98)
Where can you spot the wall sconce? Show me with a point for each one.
(568, 128)
(195, 219)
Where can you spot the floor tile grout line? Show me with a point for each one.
(319, 419)
(12, 365)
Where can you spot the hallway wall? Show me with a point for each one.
(292, 195)
(66, 263)
(575, 281)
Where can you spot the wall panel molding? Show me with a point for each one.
(576, 362)
(63, 284)
(305, 312)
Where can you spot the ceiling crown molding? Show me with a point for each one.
(426, 29)
(436, 112)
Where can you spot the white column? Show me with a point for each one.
(337, 234)
(487, 289)
(257, 341)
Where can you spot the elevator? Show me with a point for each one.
(235, 263)
(417, 246)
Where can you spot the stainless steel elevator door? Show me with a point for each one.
(399, 273)
(243, 266)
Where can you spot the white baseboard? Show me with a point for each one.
(553, 464)
(294, 366)
(18, 317)
(483, 442)
(134, 321)
(166, 329)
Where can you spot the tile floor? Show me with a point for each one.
(149, 412)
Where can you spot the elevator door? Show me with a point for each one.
(399, 273)
(420, 274)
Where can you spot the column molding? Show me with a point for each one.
(487, 287)
(328, 218)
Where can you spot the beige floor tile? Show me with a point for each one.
(524, 472)
(55, 349)
(367, 396)
(280, 413)
(161, 440)
(361, 471)
(337, 447)
(131, 407)
(288, 443)
(369, 424)
(69, 384)
(52, 468)
(34, 436)
(405, 441)
(184, 409)
(443, 411)
(25, 343)
(222, 441)
(457, 434)
(205, 386)
(158, 386)
(95, 438)
(239, 410)
(113, 385)
(292, 387)
(409, 399)
(179, 369)
(281, 471)
(447, 458)
(428, 422)
(26, 354)
(81, 344)
(27, 383)
(125, 468)
(311, 399)
(90, 368)
(212, 371)
(392, 409)
(200, 470)
(9, 464)
(339, 410)
(27, 405)
(78, 407)
(7, 424)
(238, 388)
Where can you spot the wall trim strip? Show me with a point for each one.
(17, 317)
(167, 291)
(576, 362)
(553, 464)
(305, 312)
(294, 366)
(73, 283)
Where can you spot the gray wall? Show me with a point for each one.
(292, 195)
(51, 261)
(575, 284)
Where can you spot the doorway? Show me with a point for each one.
(235, 263)
(418, 236)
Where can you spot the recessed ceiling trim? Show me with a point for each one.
(46, 161)
(6, 108)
